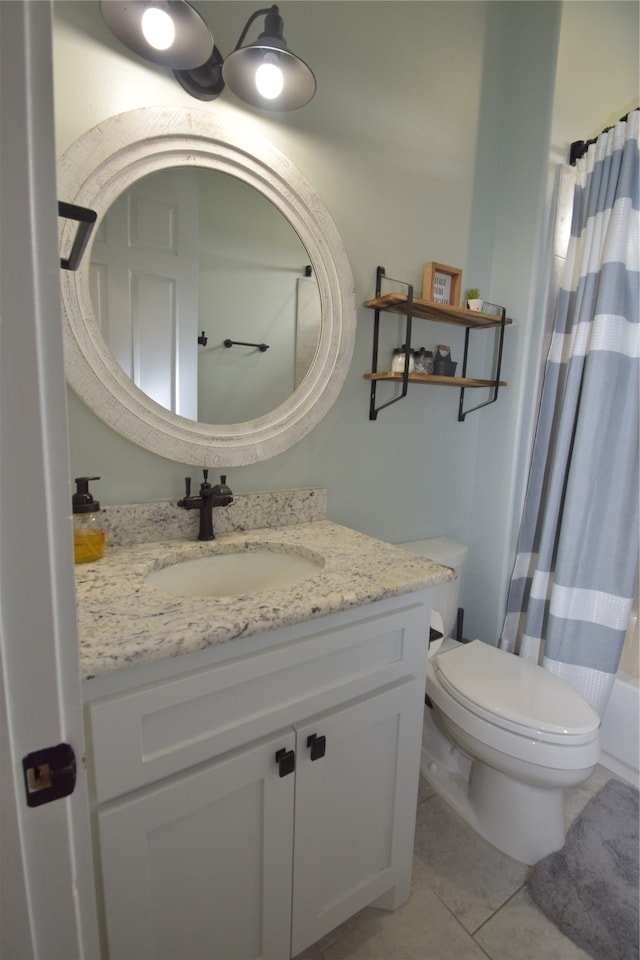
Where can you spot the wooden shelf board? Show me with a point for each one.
(439, 312)
(433, 379)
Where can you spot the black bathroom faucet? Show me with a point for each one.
(209, 497)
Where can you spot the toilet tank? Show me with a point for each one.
(445, 596)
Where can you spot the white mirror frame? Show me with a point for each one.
(93, 172)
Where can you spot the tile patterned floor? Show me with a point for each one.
(468, 901)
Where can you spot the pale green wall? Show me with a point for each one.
(429, 139)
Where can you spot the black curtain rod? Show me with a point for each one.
(580, 147)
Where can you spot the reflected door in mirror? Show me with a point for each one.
(144, 285)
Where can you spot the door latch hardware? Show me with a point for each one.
(286, 760)
(317, 745)
(49, 774)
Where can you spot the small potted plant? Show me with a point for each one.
(473, 299)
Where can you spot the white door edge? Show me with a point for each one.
(47, 890)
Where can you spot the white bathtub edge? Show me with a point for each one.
(620, 730)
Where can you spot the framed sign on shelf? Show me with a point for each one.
(441, 284)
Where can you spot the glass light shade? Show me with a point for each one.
(239, 72)
(192, 44)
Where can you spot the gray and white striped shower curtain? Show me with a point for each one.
(573, 580)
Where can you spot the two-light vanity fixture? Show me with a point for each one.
(173, 34)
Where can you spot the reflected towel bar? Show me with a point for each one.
(241, 343)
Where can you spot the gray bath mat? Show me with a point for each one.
(590, 887)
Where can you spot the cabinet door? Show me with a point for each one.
(355, 810)
(200, 866)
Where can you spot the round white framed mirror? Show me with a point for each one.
(99, 168)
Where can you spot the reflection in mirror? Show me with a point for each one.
(187, 258)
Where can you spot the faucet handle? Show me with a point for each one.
(187, 492)
(222, 491)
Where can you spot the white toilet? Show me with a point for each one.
(502, 737)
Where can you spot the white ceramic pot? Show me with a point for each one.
(475, 304)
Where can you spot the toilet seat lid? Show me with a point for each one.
(514, 693)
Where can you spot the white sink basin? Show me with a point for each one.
(234, 574)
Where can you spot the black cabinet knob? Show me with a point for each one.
(286, 760)
(317, 745)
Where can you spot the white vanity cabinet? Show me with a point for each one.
(246, 808)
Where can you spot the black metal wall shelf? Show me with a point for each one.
(408, 306)
(87, 220)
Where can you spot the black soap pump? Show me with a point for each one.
(88, 534)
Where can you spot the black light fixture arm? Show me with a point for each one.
(274, 23)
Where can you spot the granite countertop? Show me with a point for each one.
(124, 622)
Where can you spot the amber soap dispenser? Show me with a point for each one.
(88, 534)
